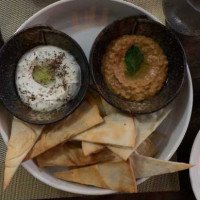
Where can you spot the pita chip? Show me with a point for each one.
(84, 117)
(23, 137)
(117, 129)
(145, 125)
(97, 99)
(147, 148)
(122, 152)
(146, 166)
(108, 109)
(117, 176)
(90, 148)
(104, 107)
(71, 155)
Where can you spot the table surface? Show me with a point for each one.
(192, 48)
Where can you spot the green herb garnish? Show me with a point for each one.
(44, 75)
(133, 59)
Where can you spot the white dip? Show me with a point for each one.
(55, 93)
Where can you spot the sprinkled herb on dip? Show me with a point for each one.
(47, 77)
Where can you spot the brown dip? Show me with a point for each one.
(147, 81)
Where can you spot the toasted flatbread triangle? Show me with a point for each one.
(36, 128)
(122, 152)
(21, 141)
(104, 107)
(147, 148)
(146, 166)
(70, 155)
(117, 129)
(85, 175)
(117, 176)
(97, 99)
(84, 117)
(90, 148)
(108, 109)
(145, 125)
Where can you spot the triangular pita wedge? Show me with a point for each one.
(97, 99)
(117, 129)
(83, 118)
(90, 148)
(117, 176)
(157, 137)
(104, 107)
(70, 154)
(122, 152)
(108, 109)
(145, 125)
(22, 139)
(37, 128)
(147, 148)
(146, 166)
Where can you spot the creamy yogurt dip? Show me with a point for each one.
(47, 77)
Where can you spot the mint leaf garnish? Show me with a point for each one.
(133, 59)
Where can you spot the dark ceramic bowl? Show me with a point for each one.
(171, 46)
(10, 54)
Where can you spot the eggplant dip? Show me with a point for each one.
(134, 67)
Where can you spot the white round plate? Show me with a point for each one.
(195, 171)
(83, 20)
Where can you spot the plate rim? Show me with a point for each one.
(23, 25)
(103, 191)
(192, 158)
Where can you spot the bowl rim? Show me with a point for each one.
(84, 86)
(91, 58)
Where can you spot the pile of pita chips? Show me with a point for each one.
(102, 146)
(145, 125)
(86, 116)
(121, 175)
(70, 154)
(22, 138)
(27, 141)
(117, 129)
(117, 176)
